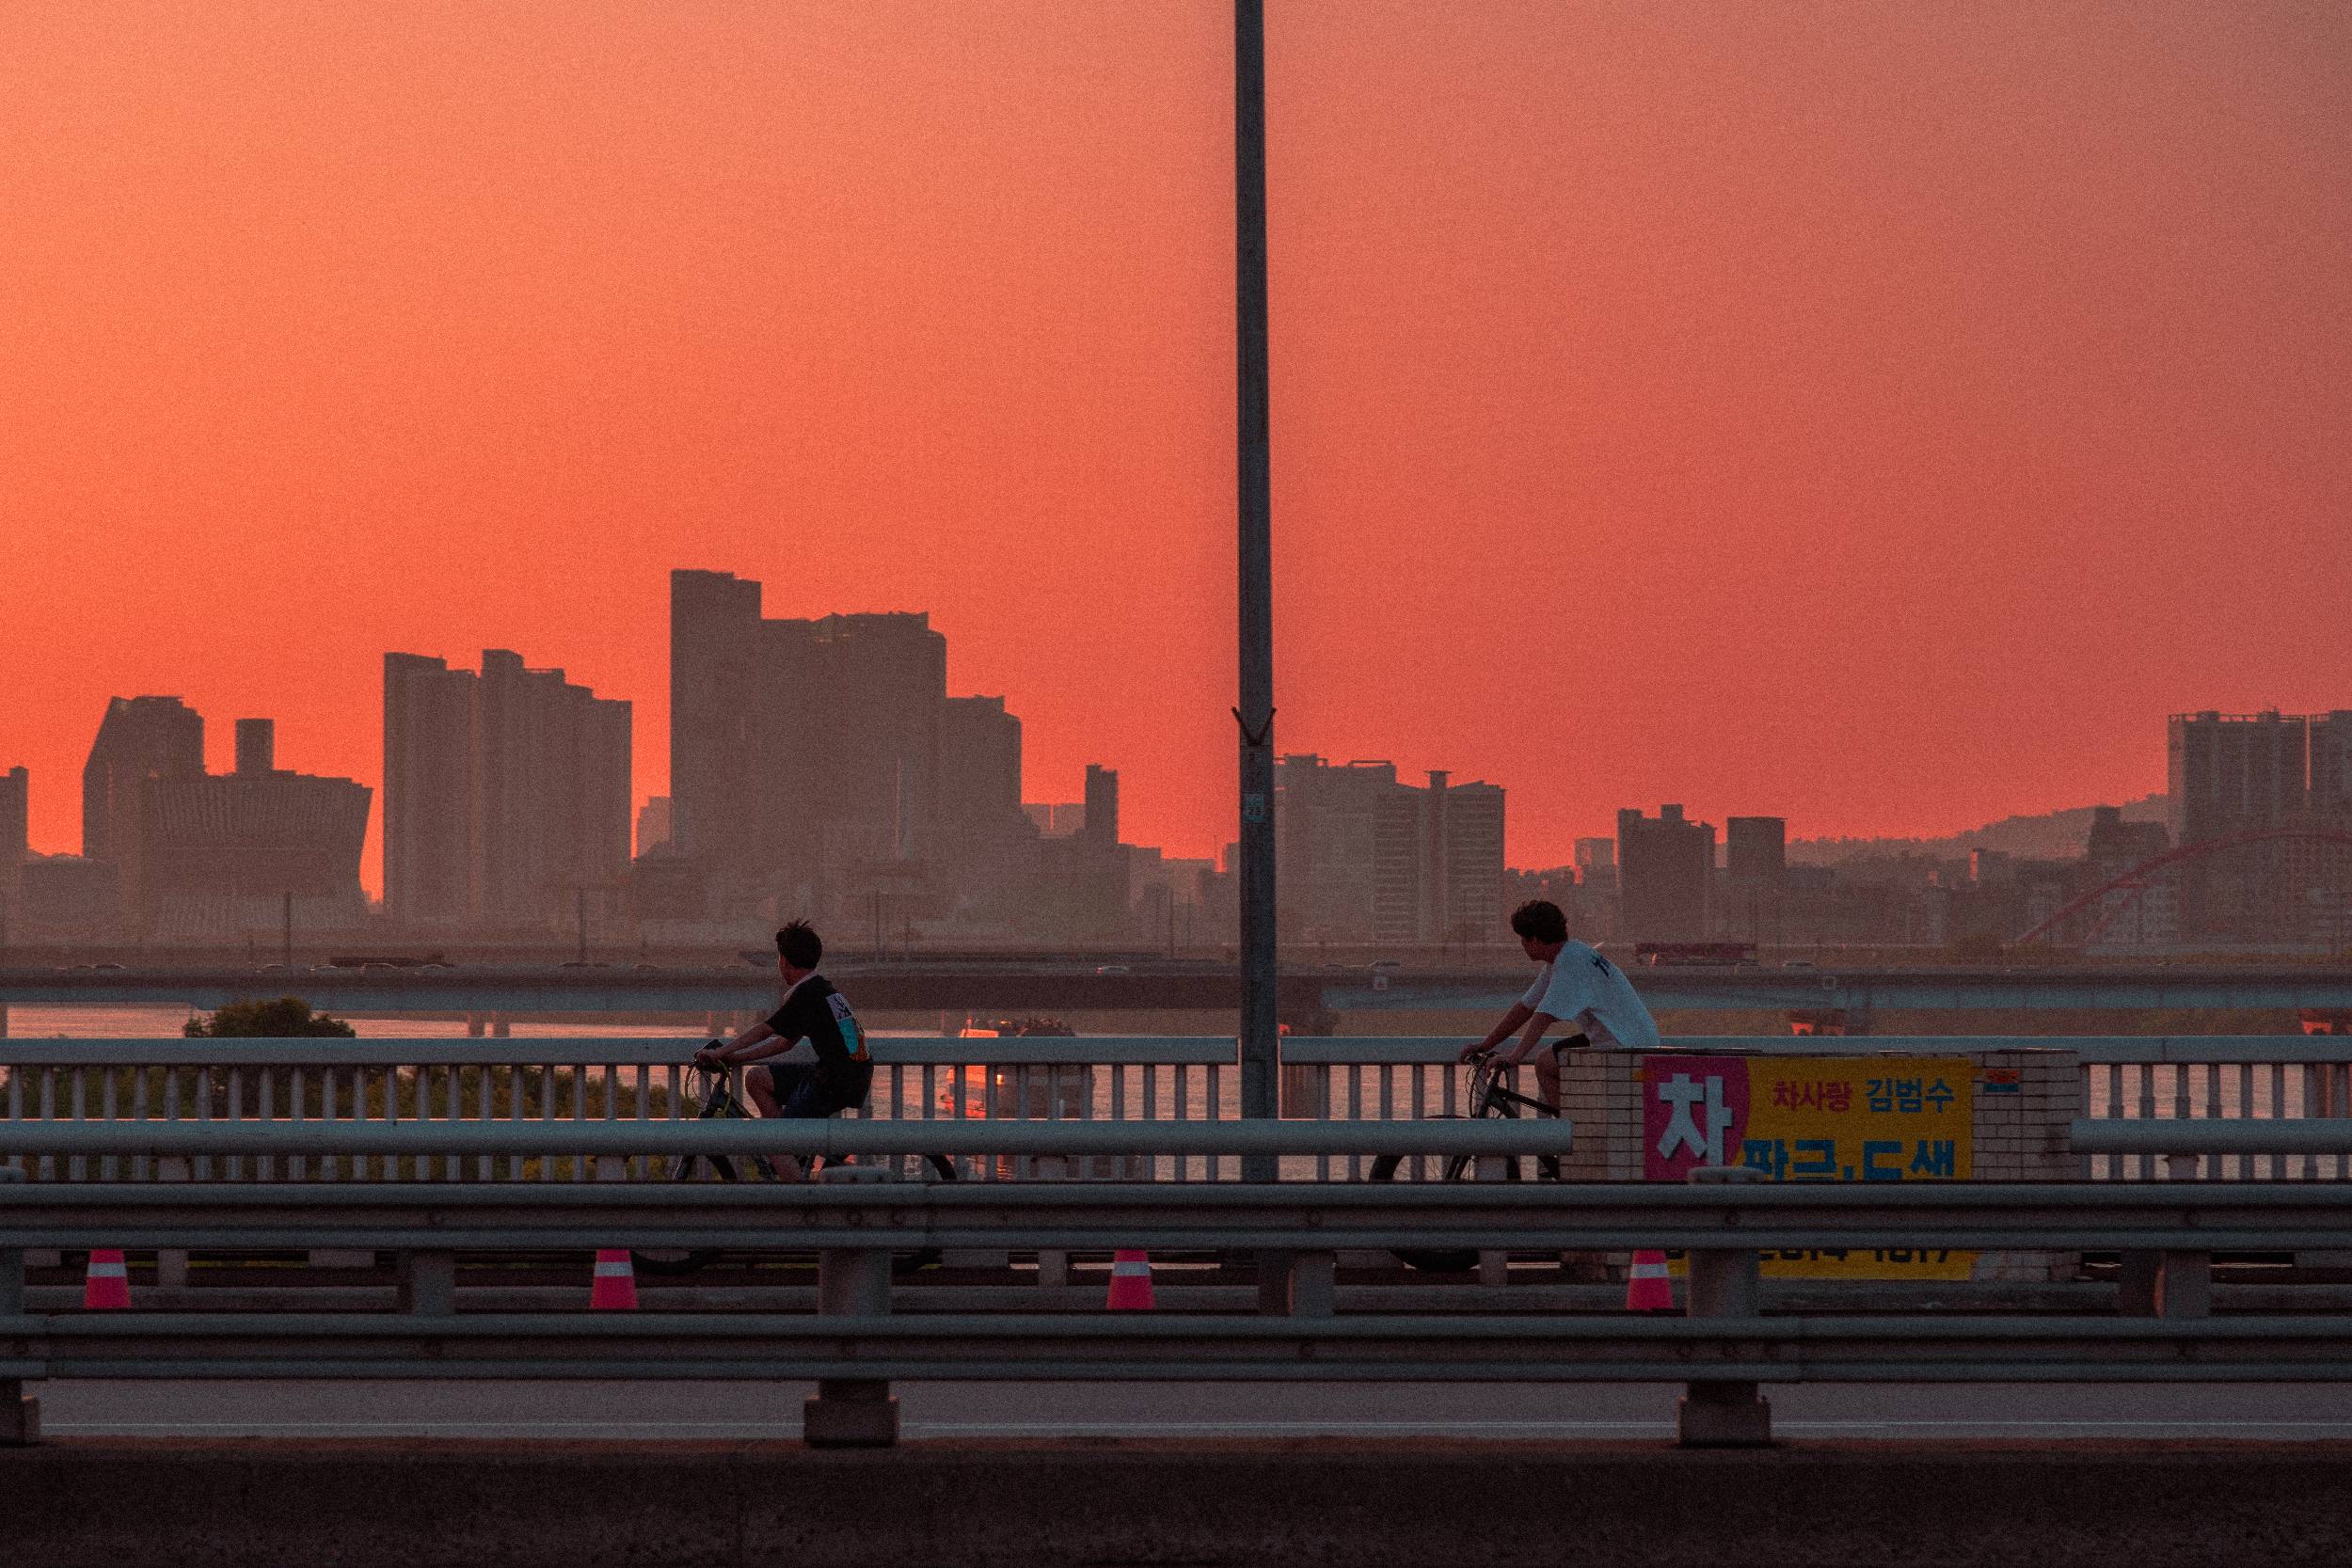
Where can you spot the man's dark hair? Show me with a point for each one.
(1539, 920)
(799, 945)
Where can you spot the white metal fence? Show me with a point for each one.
(1147, 1079)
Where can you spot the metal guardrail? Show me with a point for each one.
(2200, 1136)
(1165, 1218)
(1726, 1347)
(832, 1138)
(1128, 1050)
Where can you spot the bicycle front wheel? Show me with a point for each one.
(670, 1262)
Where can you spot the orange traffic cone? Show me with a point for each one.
(109, 1283)
(1647, 1286)
(1131, 1280)
(615, 1284)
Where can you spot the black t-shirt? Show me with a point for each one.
(820, 1015)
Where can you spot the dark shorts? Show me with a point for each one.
(803, 1090)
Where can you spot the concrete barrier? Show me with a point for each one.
(407, 1505)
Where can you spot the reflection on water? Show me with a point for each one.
(142, 1023)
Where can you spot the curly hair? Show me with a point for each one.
(799, 945)
(1539, 920)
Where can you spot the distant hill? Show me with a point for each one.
(2053, 835)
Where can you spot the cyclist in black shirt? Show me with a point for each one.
(812, 1010)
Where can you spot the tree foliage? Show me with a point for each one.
(287, 1018)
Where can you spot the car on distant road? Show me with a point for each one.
(1112, 968)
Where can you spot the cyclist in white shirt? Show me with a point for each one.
(1578, 987)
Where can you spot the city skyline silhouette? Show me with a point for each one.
(1882, 426)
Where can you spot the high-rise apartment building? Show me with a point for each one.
(986, 865)
(507, 793)
(1328, 844)
(257, 747)
(141, 741)
(718, 681)
(1756, 851)
(1596, 864)
(979, 763)
(1363, 857)
(225, 855)
(552, 792)
(1463, 824)
(200, 856)
(2148, 914)
(2230, 774)
(1750, 902)
(1100, 823)
(16, 800)
(806, 755)
(428, 790)
(2331, 769)
(1665, 872)
(1084, 878)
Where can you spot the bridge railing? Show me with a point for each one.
(1724, 1346)
(1142, 1079)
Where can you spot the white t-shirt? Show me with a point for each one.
(1589, 994)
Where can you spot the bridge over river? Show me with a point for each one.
(1309, 995)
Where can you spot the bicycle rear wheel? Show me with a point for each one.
(1458, 1167)
(670, 1262)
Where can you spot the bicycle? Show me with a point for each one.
(1488, 1097)
(718, 1098)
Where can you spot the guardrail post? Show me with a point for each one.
(1494, 1267)
(2184, 1285)
(1308, 1284)
(20, 1413)
(1297, 1284)
(1274, 1282)
(852, 1412)
(171, 1263)
(2164, 1284)
(428, 1284)
(1724, 1282)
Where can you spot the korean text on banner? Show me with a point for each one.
(1816, 1119)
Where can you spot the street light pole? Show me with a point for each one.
(1259, 1024)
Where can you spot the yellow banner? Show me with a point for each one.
(1819, 1118)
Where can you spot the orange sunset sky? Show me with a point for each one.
(1878, 414)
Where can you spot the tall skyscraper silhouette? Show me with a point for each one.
(141, 741)
(213, 856)
(1665, 875)
(16, 798)
(1367, 857)
(507, 793)
(2228, 774)
(806, 756)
